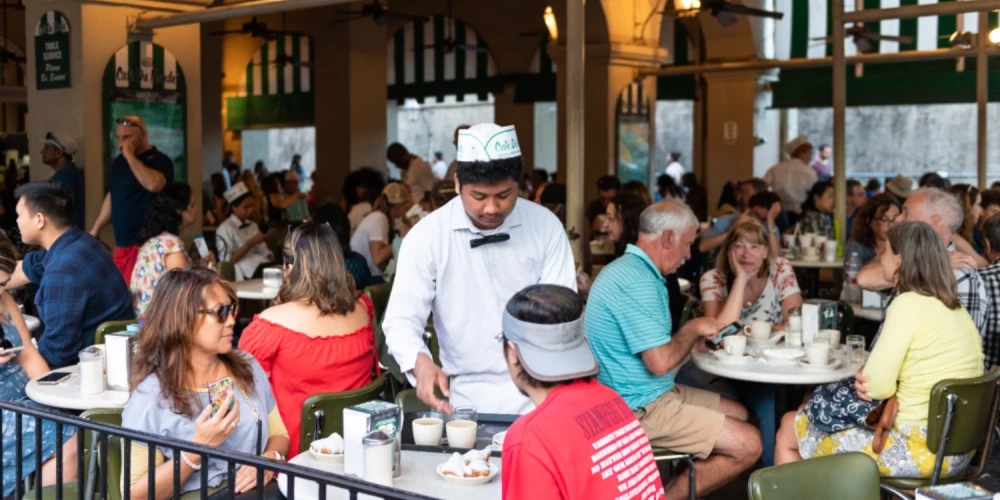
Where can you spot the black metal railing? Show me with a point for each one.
(96, 465)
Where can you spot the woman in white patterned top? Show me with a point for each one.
(749, 283)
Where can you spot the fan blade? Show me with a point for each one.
(347, 19)
(472, 48)
(905, 40)
(750, 11)
(405, 17)
(827, 39)
(227, 32)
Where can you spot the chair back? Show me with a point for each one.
(409, 402)
(110, 327)
(379, 295)
(820, 478)
(974, 413)
(323, 414)
(107, 416)
(692, 309)
(227, 270)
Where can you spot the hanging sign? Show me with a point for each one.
(52, 51)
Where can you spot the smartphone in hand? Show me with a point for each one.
(218, 392)
(732, 329)
(199, 242)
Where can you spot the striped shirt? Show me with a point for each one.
(628, 313)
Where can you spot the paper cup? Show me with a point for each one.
(427, 431)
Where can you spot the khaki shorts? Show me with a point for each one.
(684, 420)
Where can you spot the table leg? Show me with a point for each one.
(767, 402)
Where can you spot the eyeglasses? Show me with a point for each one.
(224, 311)
(125, 122)
(753, 247)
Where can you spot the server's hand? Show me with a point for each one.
(430, 376)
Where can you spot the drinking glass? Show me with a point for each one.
(856, 349)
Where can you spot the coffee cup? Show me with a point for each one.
(758, 330)
(461, 434)
(787, 241)
(832, 336)
(735, 345)
(818, 354)
(810, 253)
(427, 431)
(806, 240)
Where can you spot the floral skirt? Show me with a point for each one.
(905, 454)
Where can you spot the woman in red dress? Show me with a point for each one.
(318, 335)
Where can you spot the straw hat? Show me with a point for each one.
(899, 186)
(395, 193)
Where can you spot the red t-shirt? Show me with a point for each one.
(582, 442)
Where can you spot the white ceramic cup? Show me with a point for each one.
(427, 431)
(819, 241)
(758, 330)
(461, 434)
(735, 345)
(833, 337)
(810, 253)
(787, 241)
(806, 240)
(818, 354)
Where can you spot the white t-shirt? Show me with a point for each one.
(358, 213)
(374, 227)
(675, 170)
(440, 168)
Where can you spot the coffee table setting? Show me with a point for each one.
(765, 364)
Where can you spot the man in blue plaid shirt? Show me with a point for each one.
(991, 278)
(79, 286)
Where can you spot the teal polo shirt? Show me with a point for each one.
(627, 313)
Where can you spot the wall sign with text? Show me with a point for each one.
(52, 51)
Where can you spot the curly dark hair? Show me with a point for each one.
(364, 176)
(489, 173)
(630, 207)
(164, 215)
(875, 207)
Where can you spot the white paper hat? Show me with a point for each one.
(236, 192)
(487, 142)
(795, 144)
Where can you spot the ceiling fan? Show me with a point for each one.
(723, 11)
(863, 37)
(257, 29)
(378, 12)
(449, 44)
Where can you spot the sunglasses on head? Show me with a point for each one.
(125, 122)
(222, 312)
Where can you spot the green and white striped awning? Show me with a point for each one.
(145, 66)
(52, 22)
(880, 84)
(633, 101)
(416, 71)
(277, 87)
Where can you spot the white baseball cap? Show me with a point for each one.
(60, 140)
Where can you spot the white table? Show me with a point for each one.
(33, 323)
(419, 476)
(817, 264)
(764, 394)
(877, 315)
(66, 394)
(685, 285)
(254, 290)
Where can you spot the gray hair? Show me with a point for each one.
(666, 215)
(945, 205)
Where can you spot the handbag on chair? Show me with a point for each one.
(836, 407)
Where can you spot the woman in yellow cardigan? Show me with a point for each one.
(927, 337)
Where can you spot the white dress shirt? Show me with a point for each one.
(467, 290)
(791, 180)
(229, 237)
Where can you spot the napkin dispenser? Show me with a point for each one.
(817, 314)
(120, 349)
(361, 419)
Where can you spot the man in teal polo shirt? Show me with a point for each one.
(628, 326)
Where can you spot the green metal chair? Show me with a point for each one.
(323, 414)
(960, 420)
(379, 295)
(227, 270)
(845, 319)
(669, 459)
(110, 327)
(409, 402)
(692, 309)
(109, 416)
(833, 477)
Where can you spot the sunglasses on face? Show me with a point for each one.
(223, 312)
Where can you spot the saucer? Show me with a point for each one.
(732, 360)
(807, 258)
(784, 355)
(832, 365)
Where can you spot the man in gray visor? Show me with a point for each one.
(582, 440)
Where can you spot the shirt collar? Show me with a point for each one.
(461, 220)
(72, 234)
(638, 252)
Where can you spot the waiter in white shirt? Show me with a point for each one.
(463, 262)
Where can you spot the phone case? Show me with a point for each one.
(202, 246)
(218, 392)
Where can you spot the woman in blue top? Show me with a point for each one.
(15, 372)
(186, 344)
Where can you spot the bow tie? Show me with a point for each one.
(244, 225)
(486, 240)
